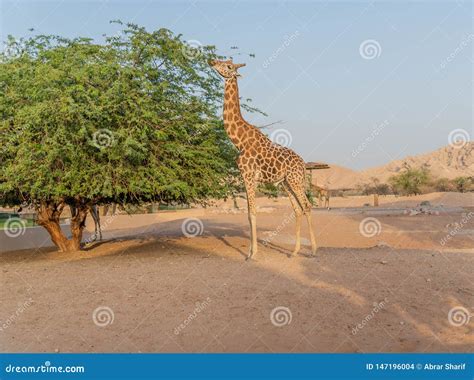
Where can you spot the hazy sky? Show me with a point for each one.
(355, 83)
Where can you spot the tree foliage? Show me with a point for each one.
(463, 184)
(410, 181)
(373, 187)
(134, 119)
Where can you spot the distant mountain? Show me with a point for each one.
(448, 162)
(336, 177)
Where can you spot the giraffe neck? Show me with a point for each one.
(239, 131)
(231, 98)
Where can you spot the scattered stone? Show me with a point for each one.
(402, 323)
(56, 350)
(382, 244)
(428, 280)
(383, 262)
(424, 207)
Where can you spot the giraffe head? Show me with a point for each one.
(226, 69)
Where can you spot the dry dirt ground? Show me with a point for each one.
(158, 290)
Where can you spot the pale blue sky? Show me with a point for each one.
(318, 83)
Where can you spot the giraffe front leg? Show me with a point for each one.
(252, 212)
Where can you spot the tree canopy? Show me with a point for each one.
(410, 181)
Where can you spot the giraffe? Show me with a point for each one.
(94, 211)
(322, 193)
(262, 161)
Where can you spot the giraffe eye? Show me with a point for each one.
(229, 67)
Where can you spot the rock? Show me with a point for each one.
(383, 262)
(428, 280)
(56, 350)
(402, 323)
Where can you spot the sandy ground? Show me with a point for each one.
(382, 284)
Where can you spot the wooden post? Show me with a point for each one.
(376, 200)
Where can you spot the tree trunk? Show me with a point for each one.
(78, 222)
(49, 215)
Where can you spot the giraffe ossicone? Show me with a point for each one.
(262, 161)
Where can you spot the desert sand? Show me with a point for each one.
(152, 286)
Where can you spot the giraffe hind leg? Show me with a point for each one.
(298, 212)
(298, 191)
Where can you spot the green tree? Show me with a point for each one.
(463, 184)
(135, 119)
(410, 181)
(443, 185)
